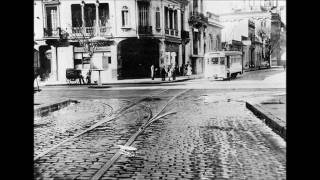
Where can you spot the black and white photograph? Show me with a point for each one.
(159, 89)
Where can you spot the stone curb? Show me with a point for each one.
(127, 83)
(268, 118)
(45, 110)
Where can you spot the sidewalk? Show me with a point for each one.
(272, 111)
(129, 81)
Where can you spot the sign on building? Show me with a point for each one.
(105, 63)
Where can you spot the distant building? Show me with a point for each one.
(213, 33)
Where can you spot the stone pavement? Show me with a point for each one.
(212, 136)
(272, 110)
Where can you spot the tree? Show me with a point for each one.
(270, 43)
(86, 37)
(264, 36)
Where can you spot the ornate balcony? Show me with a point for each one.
(145, 30)
(171, 32)
(88, 31)
(51, 33)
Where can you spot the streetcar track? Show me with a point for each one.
(116, 115)
(114, 158)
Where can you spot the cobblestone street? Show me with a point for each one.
(212, 135)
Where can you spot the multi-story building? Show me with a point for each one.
(264, 15)
(213, 33)
(198, 23)
(132, 35)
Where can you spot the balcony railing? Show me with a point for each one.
(145, 30)
(171, 32)
(87, 31)
(51, 33)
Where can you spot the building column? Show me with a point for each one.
(82, 17)
(201, 42)
(97, 30)
(180, 55)
(168, 19)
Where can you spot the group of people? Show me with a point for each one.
(171, 71)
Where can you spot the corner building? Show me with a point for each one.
(135, 34)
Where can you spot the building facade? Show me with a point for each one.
(213, 33)
(132, 35)
(198, 23)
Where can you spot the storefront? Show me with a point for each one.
(100, 60)
(171, 54)
(135, 57)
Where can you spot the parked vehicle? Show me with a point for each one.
(223, 64)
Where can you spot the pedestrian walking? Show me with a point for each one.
(81, 77)
(189, 70)
(163, 73)
(152, 72)
(174, 72)
(185, 69)
(88, 78)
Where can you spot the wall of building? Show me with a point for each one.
(38, 20)
(65, 60)
(234, 29)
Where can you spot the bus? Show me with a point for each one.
(222, 64)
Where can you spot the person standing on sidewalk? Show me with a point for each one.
(174, 72)
(152, 72)
(81, 77)
(169, 72)
(88, 77)
(163, 73)
(189, 70)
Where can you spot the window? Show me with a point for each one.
(170, 19)
(175, 20)
(143, 14)
(125, 16)
(51, 20)
(166, 17)
(222, 59)
(103, 14)
(214, 60)
(158, 18)
(89, 15)
(76, 15)
(182, 20)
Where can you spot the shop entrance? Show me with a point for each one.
(135, 56)
(45, 62)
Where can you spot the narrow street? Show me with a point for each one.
(211, 135)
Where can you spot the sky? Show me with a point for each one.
(225, 6)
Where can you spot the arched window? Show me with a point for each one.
(158, 18)
(125, 16)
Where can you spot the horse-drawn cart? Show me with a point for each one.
(74, 76)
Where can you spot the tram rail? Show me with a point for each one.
(113, 116)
